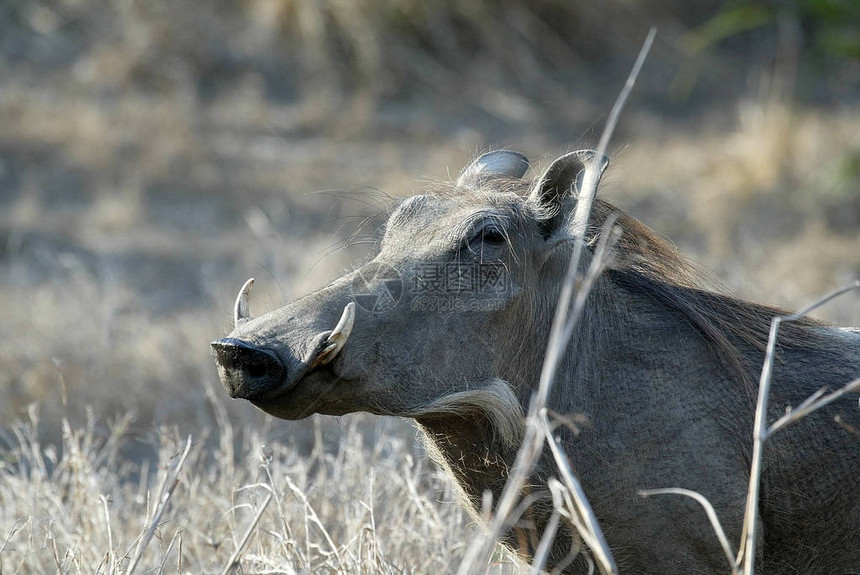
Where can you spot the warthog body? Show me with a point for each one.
(449, 325)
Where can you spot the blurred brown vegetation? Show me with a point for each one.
(156, 153)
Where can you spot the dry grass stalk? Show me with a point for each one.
(815, 401)
(543, 548)
(19, 523)
(761, 430)
(110, 553)
(578, 509)
(709, 509)
(166, 492)
(312, 517)
(233, 562)
(565, 320)
(173, 540)
(534, 437)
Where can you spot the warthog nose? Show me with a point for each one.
(247, 371)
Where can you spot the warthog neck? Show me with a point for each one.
(466, 446)
(479, 461)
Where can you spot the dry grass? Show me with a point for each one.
(82, 507)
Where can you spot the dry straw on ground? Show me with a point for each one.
(78, 508)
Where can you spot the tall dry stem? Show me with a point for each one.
(564, 321)
(761, 430)
(167, 488)
(233, 562)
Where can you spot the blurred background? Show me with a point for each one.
(156, 153)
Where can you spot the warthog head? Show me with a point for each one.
(451, 317)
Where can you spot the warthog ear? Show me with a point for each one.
(499, 164)
(563, 177)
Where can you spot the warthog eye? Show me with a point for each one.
(492, 236)
(489, 235)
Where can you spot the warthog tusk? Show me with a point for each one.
(242, 307)
(337, 338)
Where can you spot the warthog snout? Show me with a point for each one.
(246, 370)
(261, 370)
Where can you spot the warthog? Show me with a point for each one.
(448, 324)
